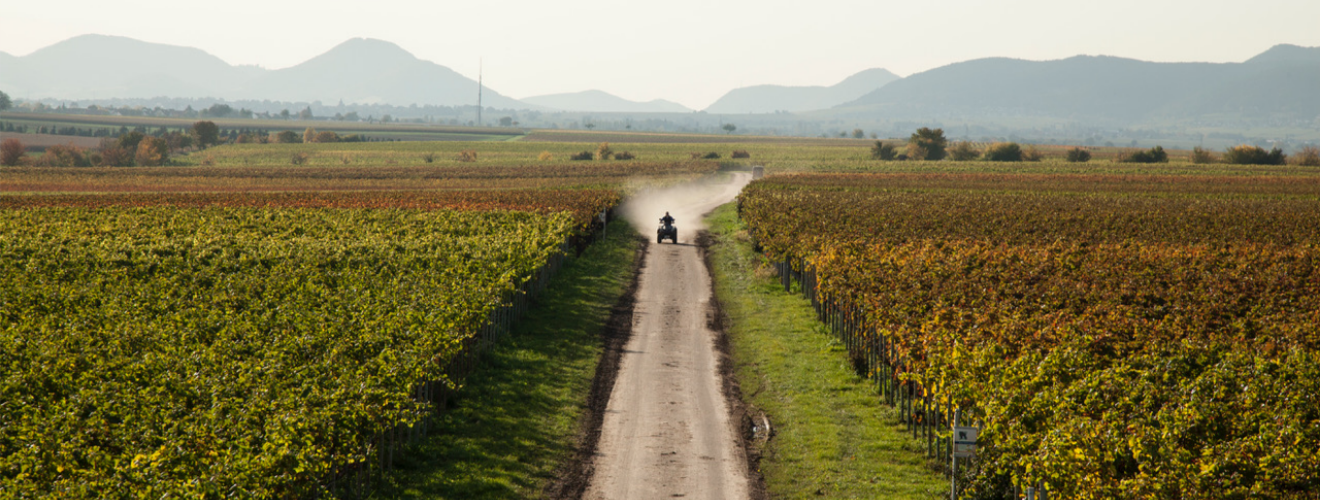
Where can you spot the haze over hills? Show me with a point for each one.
(1278, 84)
(772, 98)
(357, 71)
(91, 66)
(602, 102)
(1274, 88)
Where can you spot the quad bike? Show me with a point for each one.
(666, 231)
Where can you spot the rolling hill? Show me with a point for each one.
(772, 98)
(1105, 90)
(357, 71)
(602, 102)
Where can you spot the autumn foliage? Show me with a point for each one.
(11, 152)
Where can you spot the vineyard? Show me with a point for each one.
(222, 350)
(251, 328)
(1115, 336)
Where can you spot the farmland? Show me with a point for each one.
(266, 349)
(273, 329)
(1117, 329)
(1115, 335)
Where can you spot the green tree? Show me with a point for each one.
(218, 110)
(5, 103)
(130, 140)
(932, 141)
(858, 133)
(729, 128)
(305, 114)
(206, 133)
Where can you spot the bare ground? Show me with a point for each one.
(673, 427)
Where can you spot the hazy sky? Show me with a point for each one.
(689, 51)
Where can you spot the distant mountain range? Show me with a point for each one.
(772, 98)
(357, 71)
(1279, 84)
(1283, 82)
(597, 101)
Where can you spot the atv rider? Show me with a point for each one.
(667, 219)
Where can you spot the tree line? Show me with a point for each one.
(137, 147)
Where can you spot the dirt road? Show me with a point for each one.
(667, 431)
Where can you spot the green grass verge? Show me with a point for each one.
(833, 437)
(517, 418)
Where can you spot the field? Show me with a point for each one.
(276, 330)
(1114, 335)
(379, 131)
(1117, 329)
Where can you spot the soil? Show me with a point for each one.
(673, 426)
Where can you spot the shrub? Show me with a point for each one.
(1032, 154)
(115, 156)
(585, 155)
(711, 156)
(286, 137)
(11, 152)
(1152, 155)
(882, 151)
(545, 156)
(327, 137)
(931, 141)
(1254, 155)
(603, 151)
(1201, 156)
(299, 158)
(467, 155)
(1079, 155)
(1309, 156)
(65, 156)
(917, 152)
(624, 156)
(963, 151)
(152, 152)
(428, 157)
(1004, 151)
(309, 135)
(741, 154)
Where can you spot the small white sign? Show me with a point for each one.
(964, 441)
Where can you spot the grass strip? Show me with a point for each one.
(833, 438)
(517, 419)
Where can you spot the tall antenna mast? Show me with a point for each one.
(479, 63)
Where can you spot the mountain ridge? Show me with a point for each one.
(599, 101)
(774, 98)
(359, 70)
(1105, 90)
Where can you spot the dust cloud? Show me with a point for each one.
(686, 202)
